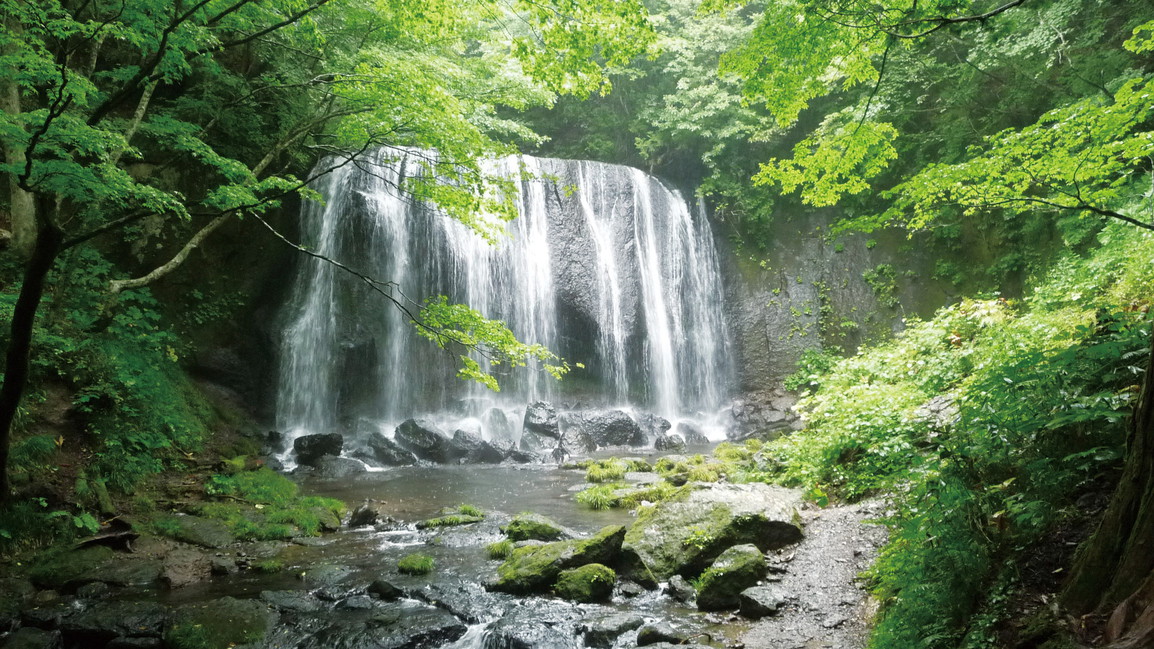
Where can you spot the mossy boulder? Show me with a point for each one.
(591, 582)
(534, 527)
(205, 532)
(68, 570)
(220, 623)
(737, 569)
(684, 534)
(535, 568)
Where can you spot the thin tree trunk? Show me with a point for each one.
(1116, 565)
(47, 248)
(22, 207)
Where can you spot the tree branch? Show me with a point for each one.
(118, 285)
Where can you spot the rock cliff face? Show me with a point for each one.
(810, 291)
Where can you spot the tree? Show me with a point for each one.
(196, 112)
(1090, 156)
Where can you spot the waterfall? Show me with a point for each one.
(604, 264)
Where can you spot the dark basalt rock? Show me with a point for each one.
(653, 426)
(761, 601)
(602, 632)
(522, 457)
(680, 589)
(614, 428)
(669, 443)
(337, 468)
(310, 448)
(658, 632)
(32, 638)
(541, 418)
(388, 452)
(408, 627)
(384, 590)
(111, 620)
(224, 622)
(500, 428)
(545, 624)
(428, 442)
(363, 515)
(295, 601)
(692, 434)
(477, 450)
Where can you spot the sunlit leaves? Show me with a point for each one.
(1081, 156)
(570, 41)
(838, 159)
(488, 344)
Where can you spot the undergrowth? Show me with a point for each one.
(985, 423)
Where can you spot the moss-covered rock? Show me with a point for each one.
(535, 568)
(592, 582)
(686, 533)
(67, 570)
(205, 532)
(452, 520)
(534, 527)
(220, 623)
(738, 568)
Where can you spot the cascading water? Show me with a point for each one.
(604, 265)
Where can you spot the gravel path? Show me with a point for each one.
(825, 606)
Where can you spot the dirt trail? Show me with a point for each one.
(825, 606)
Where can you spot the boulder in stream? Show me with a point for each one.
(388, 452)
(220, 623)
(669, 443)
(692, 434)
(530, 526)
(602, 632)
(427, 442)
(737, 569)
(685, 534)
(310, 448)
(476, 450)
(535, 568)
(541, 418)
(592, 582)
(615, 428)
(653, 426)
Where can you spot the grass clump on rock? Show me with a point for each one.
(610, 470)
(500, 550)
(592, 582)
(461, 515)
(416, 564)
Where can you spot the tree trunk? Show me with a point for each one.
(22, 213)
(1114, 572)
(47, 248)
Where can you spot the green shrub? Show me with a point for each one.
(416, 564)
(982, 423)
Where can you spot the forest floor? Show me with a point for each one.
(826, 606)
